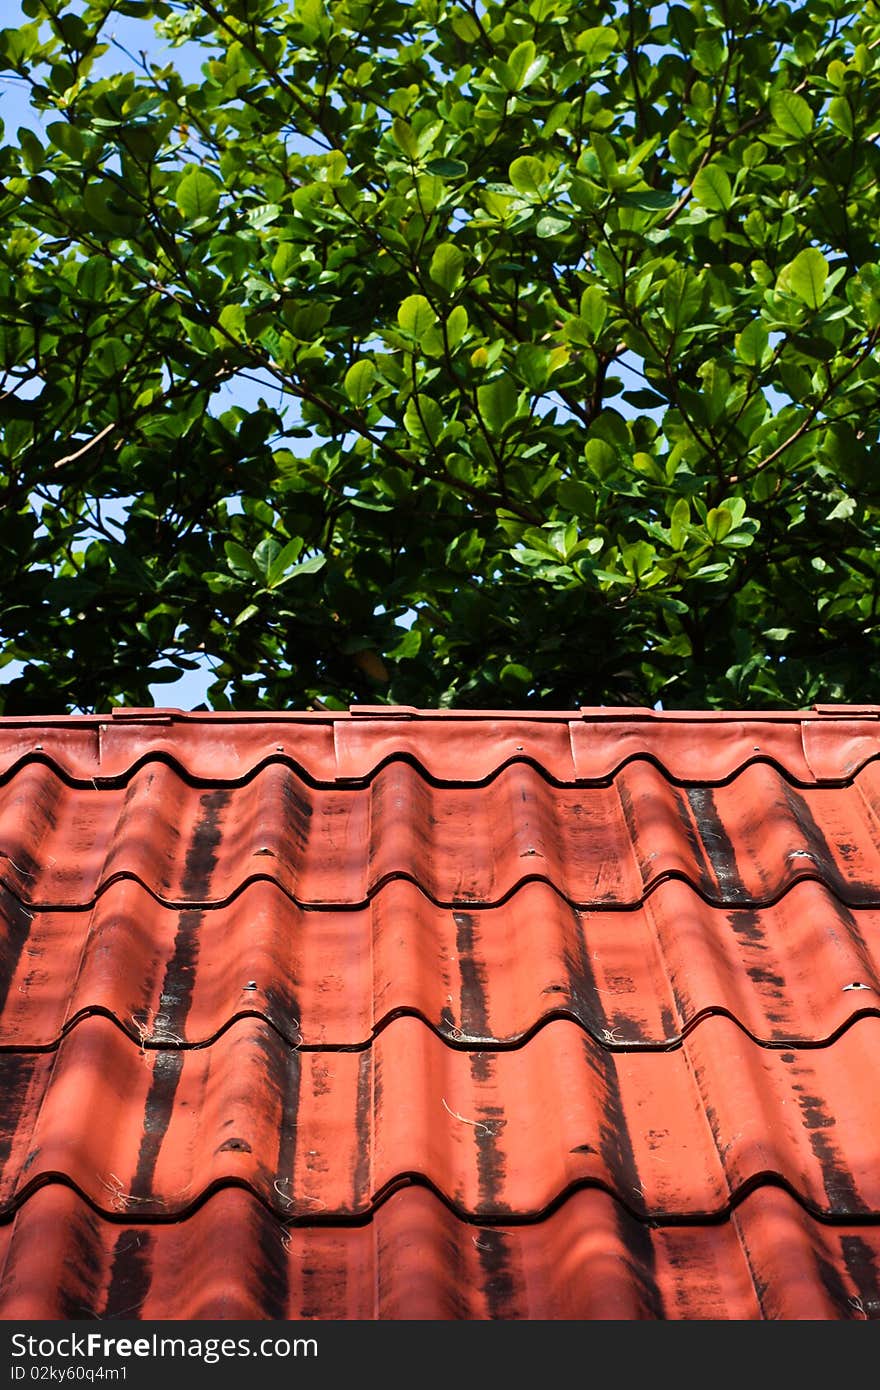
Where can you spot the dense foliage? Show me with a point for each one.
(565, 315)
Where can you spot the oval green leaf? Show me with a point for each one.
(415, 315)
(359, 381)
(712, 188)
(497, 401)
(752, 343)
(528, 175)
(792, 114)
(447, 265)
(806, 276)
(198, 193)
(456, 325)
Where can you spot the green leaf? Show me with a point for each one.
(405, 138)
(596, 44)
(601, 457)
(639, 559)
(416, 316)
(578, 497)
(466, 27)
(263, 215)
(283, 560)
(498, 402)
(285, 261)
(528, 175)
(551, 226)
(718, 522)
(682, 298)
(840, 115)
(240, 561)
(112, 356)
(424, 418)
(311, 17)
(198, 193)
(515, 674)
(792, 114)
(309, 320)
(805, 276)
(359, 381)
(523, 67)
(447, 265)
(67, 138)
(644, 400)
(456, 325)
(712, 188)
(408, 646)
(233, 317)
(447, 168)
(310, 566)
(93, 277)
(648, 199)
(594, 310)
(679, 522)
(843, 511)
(752, 343)
(533, 365)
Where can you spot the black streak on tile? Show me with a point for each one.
(271, 1271)
(862, 1266)
(175, 1000)
(84, 1266)
(130, 1275)
(16, 920)
(717, 844)
(473, 1010)
(499, 1287)
(843, 1198)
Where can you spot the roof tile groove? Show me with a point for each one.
(786, 974)
(670, 1134)
(405, 1013)
(743, 843)
(590, 1259)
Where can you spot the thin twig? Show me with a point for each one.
(477, 1124)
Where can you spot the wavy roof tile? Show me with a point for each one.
(407, 1013)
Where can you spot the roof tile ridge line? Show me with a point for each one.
(362, 781)
(704, 1111)
(10, 1245)
(376, 1243)
(603, 713)
(572, 724)
(518, 1042)
(685, 1026)
(630, 840)
(872, 817)
(806, 755)
(337, 775)
(414, 1178)
(472, 905)
(736, 1223)
(372, 1055)
(599, 713)
(71, 993)
(394, 1187)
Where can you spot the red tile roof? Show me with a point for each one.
(437, 1014)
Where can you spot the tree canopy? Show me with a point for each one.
(564, 315)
